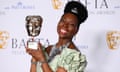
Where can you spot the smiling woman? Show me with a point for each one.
(63, 56)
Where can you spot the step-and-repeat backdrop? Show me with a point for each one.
(98, 37)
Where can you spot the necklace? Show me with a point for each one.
(56, 51)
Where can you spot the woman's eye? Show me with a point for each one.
(72, 25)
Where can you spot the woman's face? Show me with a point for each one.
(67, 27)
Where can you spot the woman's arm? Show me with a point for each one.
(33, 65)
(45, 66)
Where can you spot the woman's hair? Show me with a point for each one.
(77, 9)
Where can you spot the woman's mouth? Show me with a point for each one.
(63, 31)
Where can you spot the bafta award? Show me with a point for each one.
(33, 27)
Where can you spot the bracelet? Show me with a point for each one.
(39, 62)
(33, 62)
(43, 62)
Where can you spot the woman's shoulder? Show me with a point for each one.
(73, 47)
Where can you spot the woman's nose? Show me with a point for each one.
(65, 25)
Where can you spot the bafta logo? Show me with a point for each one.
(4, 35)
(33, 27)
(113, 39)
(57, 4)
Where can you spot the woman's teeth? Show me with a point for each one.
(63, 31)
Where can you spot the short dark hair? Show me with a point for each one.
(77, 9)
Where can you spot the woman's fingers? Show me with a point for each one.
(39, 46)
(30, 51)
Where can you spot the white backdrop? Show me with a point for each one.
(91, 40)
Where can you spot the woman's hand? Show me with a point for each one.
(60, 69)
(33, 59)
(36, 54)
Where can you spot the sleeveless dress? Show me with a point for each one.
(70, 59)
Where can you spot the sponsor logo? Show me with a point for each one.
(82, 46)
(113, 39)
(4, 35)
(19, 5)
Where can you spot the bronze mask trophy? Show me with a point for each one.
(33, 26)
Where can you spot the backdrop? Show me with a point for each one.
(98, 37)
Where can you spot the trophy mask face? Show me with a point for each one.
(113, 39)
(33, 25)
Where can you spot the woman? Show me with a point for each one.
(64, 56)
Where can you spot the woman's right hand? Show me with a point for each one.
(36, 54)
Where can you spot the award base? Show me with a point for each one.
(33, 45)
